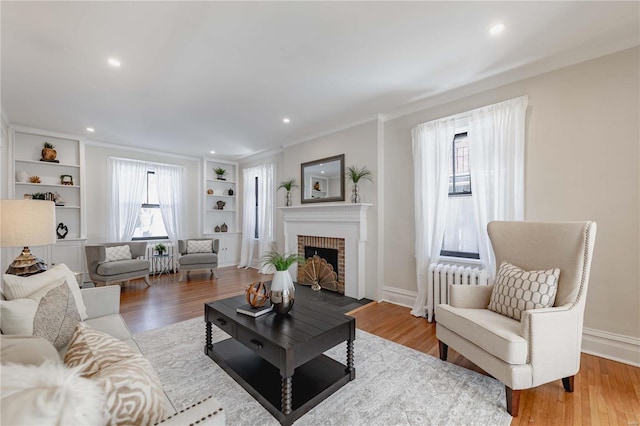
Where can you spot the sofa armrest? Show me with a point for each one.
(95, 254)
(470, 296)
(216, 246)
(101, 301)
(207, 412)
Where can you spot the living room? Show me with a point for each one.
(581, 134)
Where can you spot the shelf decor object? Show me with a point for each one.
(288, 185)
(49, 153)
(27, 223)
(355, 174)
(282, 293)
(66, 180)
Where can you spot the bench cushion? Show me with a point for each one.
(122, 267)
(198, 258)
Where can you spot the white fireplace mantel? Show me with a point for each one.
(337, 220)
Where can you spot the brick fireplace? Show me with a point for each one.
(305, 241)
(332, 225)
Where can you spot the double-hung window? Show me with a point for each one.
(150, 225)
(460, 234)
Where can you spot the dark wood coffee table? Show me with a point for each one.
(278, 359)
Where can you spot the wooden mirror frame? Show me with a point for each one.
(303, 181)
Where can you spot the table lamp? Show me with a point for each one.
(25, 223)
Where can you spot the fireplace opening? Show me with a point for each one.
(328, 254)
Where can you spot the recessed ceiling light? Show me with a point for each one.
(212, 152)
(286, 120)
(496, 29)
(90, 129)
(322, 171)
(114, 62)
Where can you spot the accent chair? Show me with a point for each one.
(103, 271)
(198, 253)
(544, 345)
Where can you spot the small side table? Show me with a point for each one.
(161, 264)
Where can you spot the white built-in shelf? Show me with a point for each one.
(47, 184)
(223, 210)
(222, 181)
(67, 207)
(48, 163)
(220, 233)
(221, 196)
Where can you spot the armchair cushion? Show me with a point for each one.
(115, 253)
(517, 290)
(198, 258)
(199, 246)
(108, 269)
(495, 333)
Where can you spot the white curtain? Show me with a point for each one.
(264, 218)
(170, 190)
(126, 188)
(496, 163)
(432, 148)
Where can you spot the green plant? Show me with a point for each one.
(160, 248)
(219, 171)
(288, 184)
(354, 174)
(48, 145)
(281, 262)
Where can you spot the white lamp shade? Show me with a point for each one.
(27, 223)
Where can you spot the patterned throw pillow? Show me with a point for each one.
(118, 253)
(199, 246)
(134, 392)
(57, 316)
(516, 290)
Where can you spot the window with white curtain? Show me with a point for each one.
(150, 225)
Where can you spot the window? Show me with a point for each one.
(460, 239)
(150, 225)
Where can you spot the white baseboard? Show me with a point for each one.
(399, 296)
(616, 347)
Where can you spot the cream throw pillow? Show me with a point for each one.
(134, 392)
(117, 253)
(516, 290)
(49, 394)
(15, 287)
(199, 246)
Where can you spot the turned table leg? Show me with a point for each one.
(287, 385)
(350, 369)
(209, 345)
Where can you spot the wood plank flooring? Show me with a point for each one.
(606, 392)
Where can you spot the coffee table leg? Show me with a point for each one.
(208, 342)
(287, 384)
(350, 369)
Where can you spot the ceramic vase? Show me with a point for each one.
(355, 194)
(22, 176)
(288, 198)
(282, 292)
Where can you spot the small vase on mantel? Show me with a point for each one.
(355, 193)
(288, 201)
(282, 292)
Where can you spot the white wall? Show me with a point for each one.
(97, 197)
(582, 163)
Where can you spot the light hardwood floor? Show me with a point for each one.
(606, 392)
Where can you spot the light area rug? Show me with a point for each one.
(394, 385)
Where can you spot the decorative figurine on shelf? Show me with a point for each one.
(209, 191)
(62, 230)
(66, 180)
(49, 153)
(217, 228)
(230, 191)
(35, 179)
(220, 205)
(57, 198)
(224, 228)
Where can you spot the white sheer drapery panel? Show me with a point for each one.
(264, 173)
(170, 193)
(126, 188)
(496, 163)
(432, 147)
(460, 230)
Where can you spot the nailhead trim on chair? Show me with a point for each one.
(219, 410)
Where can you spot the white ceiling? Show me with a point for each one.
(203, 76)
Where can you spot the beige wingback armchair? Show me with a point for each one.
(193, 261)
(545, 345)
(103, 273)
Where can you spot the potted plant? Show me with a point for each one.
(48, 152)
(220, 172)
(160, 248)
(282, 289)
(288, 185)
(355, 174)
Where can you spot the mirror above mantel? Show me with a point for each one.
(322, 180)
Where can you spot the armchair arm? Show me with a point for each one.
(101, 301)
(95, 255)
(554, 338)
(469, 296)
(216, 245)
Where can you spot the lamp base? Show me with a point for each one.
(26, 264)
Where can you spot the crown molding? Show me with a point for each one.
(142, 150)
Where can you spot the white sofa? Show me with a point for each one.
(103, 310)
